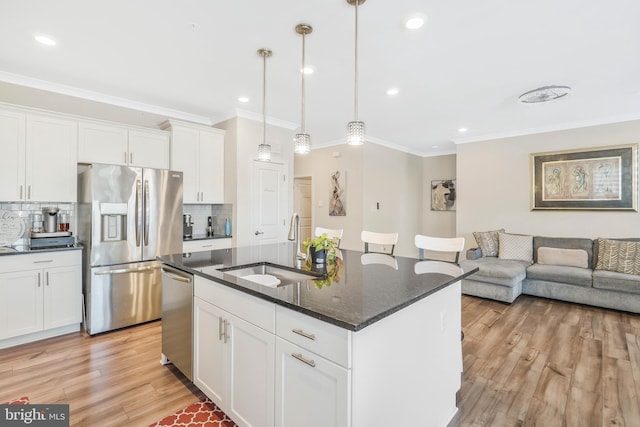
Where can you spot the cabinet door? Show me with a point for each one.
(211, 158)
(51, 158)
(310, 391)
(12, 135)
(20, 303)
(251, 373)
(149, 149)
(210, 362)
(99, 143)
(184, 158)
(62, 296)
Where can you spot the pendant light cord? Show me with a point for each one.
(264, 99)
(303, 72)
(355, 97)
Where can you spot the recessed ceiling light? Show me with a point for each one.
(243, 99)
(415, 21)
(462, 130)
(307, 70)
(393, 91)
(44, 39)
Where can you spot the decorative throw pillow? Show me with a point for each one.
(488, 241)
(515, 246)
(618, 256)
(565, 257)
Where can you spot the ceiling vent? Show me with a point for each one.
(544, 94)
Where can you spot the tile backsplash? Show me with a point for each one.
(24, 211)
(200, 214)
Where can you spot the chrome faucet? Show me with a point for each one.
(294, 234)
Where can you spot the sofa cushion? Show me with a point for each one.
(493, 270)
(515, 247)
(618, 256)
(564, 243)
(560, 274)
(614, 281)
(488, 241)
(563, 257)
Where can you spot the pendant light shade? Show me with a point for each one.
(302, 140)
(264, 149)
(355, 128)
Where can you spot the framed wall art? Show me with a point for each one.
(602, 178)
(337, 199)
(443, 195)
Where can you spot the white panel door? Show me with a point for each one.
(62, 296)
(268, 198)
(20, 303)
(210, 361)
(184, 158)
(311, 391)
(12, 135)
(251, 373)
(211, 159)
(149, 149)
(51, 165)
(100, 143)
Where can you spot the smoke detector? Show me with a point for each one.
(544, 94)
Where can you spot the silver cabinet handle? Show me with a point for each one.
(309, 362)
(257, 233)
(131, 158)
(21, 192)
(220, 328)
(125, 157)
(38, 279)
(47, 278)
(28, 192)
(42, 261)
(304, 334)
(226, 336)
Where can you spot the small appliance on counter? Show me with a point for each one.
(210, 227)
(187, 226)
(48, 232)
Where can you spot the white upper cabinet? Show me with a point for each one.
(198, 151)
(119, 145)
(39, 158)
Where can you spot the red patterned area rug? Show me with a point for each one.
(22, 401)
(200, 414)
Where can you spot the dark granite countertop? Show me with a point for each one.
(357, 295)
(24, 249)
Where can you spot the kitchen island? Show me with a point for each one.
(375, 343)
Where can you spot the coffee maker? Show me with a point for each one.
(187, 226)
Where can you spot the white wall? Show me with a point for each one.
(494, 186)
(374, 174)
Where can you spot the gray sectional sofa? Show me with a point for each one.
(567, 269)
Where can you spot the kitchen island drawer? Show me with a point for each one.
(254, 310)
(322, 338)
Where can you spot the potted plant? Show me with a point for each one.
(321, 249)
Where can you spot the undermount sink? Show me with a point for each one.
(268, 274)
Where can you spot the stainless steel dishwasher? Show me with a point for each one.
(177, 315)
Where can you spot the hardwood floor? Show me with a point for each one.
(113, 379)
(548, 363)
(536, 362)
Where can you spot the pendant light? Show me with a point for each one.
(355, 129)
(302, 140)
(264, 149)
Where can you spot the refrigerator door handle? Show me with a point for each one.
(137, 214)
(127, 270)
(147, 211)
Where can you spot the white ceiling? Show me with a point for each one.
(191, 59)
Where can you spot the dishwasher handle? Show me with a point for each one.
(177, 275)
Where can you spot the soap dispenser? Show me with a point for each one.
(227, 227)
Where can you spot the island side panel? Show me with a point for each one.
(407, 367)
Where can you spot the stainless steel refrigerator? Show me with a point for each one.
(127, 216)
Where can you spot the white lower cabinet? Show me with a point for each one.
(311, 391)
(39, 293)
(234, 358)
